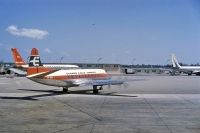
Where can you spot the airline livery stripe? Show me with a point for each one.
(33, 75)
(19, 62)
(68, 77)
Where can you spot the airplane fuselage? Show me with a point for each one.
(190, 69)
(69, 78)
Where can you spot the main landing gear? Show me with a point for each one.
(96, 89)
(65, 89)
(198, 74)
(189, 74)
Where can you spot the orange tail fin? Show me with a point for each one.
(17, 57)
(35, 65)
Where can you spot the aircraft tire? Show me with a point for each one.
(95, 90)
(100, 88)
(65, 89)
(189, 74)
(198, 74)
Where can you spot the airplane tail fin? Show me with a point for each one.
(175, 63)
(17, 57)
(35, 65)
(34, 60)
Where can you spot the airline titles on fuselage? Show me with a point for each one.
(80, 73)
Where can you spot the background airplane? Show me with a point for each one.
(185, 69)
(67, 78)
(6, 69)
(3, 70)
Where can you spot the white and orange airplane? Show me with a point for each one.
(67, 78)
(19, 62)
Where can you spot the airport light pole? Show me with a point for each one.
(99, 59)
(61, 58)
(133, 60)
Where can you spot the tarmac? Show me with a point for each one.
(152, 104)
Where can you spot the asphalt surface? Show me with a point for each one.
(152, 104)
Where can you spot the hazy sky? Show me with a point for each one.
(111, 31)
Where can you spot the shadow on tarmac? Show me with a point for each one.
(56, 92)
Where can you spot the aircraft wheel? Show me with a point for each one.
(65, 89)
(95, 90)
(198, 74)
(100, 88)
(189, 74)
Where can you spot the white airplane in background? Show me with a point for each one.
(67, 78)
(2, 69)
(186, 69)
(6, 69)
(19, 62)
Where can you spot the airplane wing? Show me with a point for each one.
(104, 82)
(97, 82)
(18, 71)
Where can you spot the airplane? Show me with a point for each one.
(66, 78)
(3, 71)
(10, 70)
(185, 69)
(19, 62)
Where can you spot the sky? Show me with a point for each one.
(101, 31)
